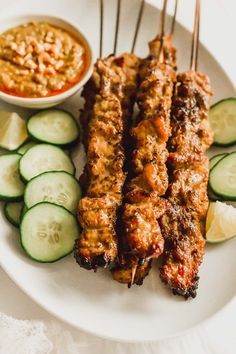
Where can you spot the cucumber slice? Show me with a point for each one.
(215, 159)
(222, 118)
(42, 158)
(222, 179)
(22, 150)
(23, 211)
(11, 185)
(212, 196)
(13, 212)
(56, 187)
(48, 232)
(212, 163)
(53, 126)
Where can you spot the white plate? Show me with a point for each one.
(94, 302)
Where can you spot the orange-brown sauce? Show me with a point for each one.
(40, 60)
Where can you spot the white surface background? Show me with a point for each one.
(217, 336)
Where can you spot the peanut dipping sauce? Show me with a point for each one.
(40, 60)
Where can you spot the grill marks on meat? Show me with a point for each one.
(97, 246)
(142, 230)
(148, 179)
(183, 223)
(123, 70)
(184, 248)
(109, 99)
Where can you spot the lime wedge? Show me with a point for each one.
(220, 222)
(13, 132)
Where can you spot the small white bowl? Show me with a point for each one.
(45, 102)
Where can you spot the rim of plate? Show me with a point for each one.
(101, 333)
(117, 339)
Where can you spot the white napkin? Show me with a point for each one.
(37, 337)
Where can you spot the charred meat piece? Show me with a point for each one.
(97, 217)
(142, 230)
(109, 97)
(184, 249)
(130, 271)
(183, 224)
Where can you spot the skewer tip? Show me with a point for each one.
(117, 25)
(195, 38)
(139, 19)
(174, 17)
(133, 273)
(163, 20)
(101, 27)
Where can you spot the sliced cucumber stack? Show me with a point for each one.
(11, 185)
(53, 126)
(56, 187)
(48, 232)
(48, 226)
(42, 158)
(223, 122)
(13, 212)
(222, 179)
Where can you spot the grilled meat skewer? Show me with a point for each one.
(148, 179)
(106, 118)
(183, 224)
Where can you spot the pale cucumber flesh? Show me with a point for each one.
(53, 126)
(11, 185)
(48, 232)
(215, 159)
(56, 187)
(222, 118)
(43, 158)
(223, 177)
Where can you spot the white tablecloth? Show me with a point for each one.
(52, 336)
